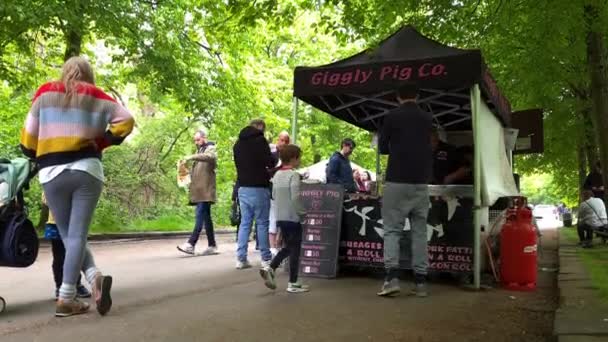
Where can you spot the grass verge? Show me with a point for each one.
(165, 223)
(595, 260)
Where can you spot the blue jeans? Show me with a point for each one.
(203, 218)
(255, 205)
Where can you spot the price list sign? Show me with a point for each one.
(321, 233)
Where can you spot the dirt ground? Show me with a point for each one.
(161, 296)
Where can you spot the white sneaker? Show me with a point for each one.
(265, 264)
(268, 275)
(241, 265)
(208, 251)
(297, 288)
(186, 248)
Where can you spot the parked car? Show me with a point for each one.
(545, 212)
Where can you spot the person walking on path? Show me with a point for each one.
(339, 170)
(282, 141)
(51, 233)
(253, 162)
(202, 193)
(70, 123)
(406, 138)
(290, 214)
(591, 216)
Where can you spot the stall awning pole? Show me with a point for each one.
(376, 144)
(475, 105)
(294, 123)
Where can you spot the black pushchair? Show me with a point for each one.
(18, 239)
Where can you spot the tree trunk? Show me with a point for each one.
(73, 44)
(590, 141)
(582, 166)
(597, 67)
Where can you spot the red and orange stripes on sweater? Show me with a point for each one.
(58, 131)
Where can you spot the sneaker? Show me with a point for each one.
(241, 265)
(67, 308)
(267, 274)
(297, 288)
(266, 264)
(208, 251)
(101, 293)
(186, 248)
(419, 290)
(390, 288)
(82, 292)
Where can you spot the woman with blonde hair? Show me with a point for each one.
(69, 124)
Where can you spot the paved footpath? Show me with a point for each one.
(162, 296)
(582, 316)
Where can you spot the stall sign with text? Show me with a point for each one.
(321, 229)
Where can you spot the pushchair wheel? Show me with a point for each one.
(2, 305)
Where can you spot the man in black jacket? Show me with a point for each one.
(338, 169)
(253, 161)
(406, 138)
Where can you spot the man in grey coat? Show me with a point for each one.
(202, 193)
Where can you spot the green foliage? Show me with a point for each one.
(183, 64)
(178, 66)
(542, 189)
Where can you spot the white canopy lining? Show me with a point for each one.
(451, 109)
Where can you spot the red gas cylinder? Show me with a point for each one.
(518, 251)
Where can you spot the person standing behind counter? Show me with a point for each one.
(444, 158)
(339, 170)
(451, 164)
(406, 137)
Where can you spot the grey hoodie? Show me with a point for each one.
(286, 195)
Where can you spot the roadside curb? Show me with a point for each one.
(142, 236)
(150, 235)
(580, 316)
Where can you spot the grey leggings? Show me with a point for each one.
(72, 197)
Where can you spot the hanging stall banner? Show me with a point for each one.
(449, 235)
(321, 229)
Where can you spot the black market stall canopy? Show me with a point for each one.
(362, 89)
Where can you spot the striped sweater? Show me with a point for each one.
(57, 132)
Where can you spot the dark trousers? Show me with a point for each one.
(58, 257)
(585, 232)
(203, 218)
(292, 242)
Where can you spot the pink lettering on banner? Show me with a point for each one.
(397, 72)
(317, 78)
(387, 70)
(334, 79)
(342, 78)
(312, 193)
(405, 74)
(330, 193)
(428, 70)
